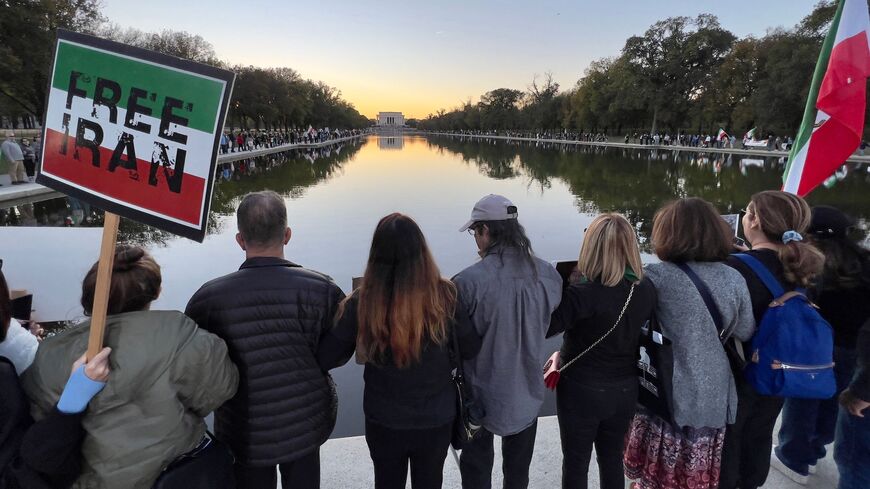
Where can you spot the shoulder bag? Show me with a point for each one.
(469, 413)
(208, 466)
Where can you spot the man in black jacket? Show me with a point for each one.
(271, 313)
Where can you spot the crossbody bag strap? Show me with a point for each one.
(707, 297)
(605, 335)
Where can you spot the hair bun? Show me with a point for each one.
(126, 256)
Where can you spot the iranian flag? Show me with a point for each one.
(722, 135)
(834, 116)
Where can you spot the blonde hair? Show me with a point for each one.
(609, 247)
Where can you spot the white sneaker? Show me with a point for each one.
(777, 464)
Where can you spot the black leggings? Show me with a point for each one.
(594, 414)
(392, 449)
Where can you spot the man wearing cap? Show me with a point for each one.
(13, 155)
(510, 295)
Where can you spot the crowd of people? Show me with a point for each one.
(698, 140)
(243, 140)
(21, 157)
(257, 345)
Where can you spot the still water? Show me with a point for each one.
(336, 196)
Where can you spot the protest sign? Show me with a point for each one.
(134, 132)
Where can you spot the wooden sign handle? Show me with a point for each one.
(104, 282)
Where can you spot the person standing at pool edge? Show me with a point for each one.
(271, 313)
(510, 295)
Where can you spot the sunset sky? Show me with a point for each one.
(419, 56)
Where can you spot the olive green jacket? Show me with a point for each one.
(166, 376)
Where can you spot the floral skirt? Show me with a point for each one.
(658, 456)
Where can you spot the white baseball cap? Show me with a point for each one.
(491, 208)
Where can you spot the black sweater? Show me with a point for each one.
(418, 396)
(42, 455)
(586, 313)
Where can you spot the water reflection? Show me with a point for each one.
(288, 173)
(637, 182)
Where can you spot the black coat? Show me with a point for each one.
(35, 456)
(271, 313)
(421, 395)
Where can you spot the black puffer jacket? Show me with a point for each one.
(271, 314)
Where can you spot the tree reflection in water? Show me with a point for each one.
(289, 173)
(637, 182)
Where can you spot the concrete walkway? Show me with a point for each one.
(747, 152)
(12, 195)
(345, 464)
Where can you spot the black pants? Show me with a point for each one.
(477, 458)
(392, 449)
(303, 473)
(598, 414)
(748, 442)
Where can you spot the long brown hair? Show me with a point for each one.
(402, 297)
(136, 281)
(778, 212)
(609, 247)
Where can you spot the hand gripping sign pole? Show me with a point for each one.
(104, 284)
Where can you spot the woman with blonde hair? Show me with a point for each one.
(683, 452)
(601, 316)
(401, 321)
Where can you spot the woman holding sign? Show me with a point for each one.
(167, 375)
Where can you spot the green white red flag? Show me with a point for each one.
(834, 116)
(722, 135)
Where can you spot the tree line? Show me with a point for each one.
(263, 98)
(687, 75)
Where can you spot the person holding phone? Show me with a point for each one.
(691, 239)
(601, 316)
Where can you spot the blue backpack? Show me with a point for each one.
(792, 351)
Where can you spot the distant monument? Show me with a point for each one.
(391, 119)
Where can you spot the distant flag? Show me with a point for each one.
(722, 135)
(749, 134)
(834, 115)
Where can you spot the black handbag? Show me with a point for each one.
(208, 466)
(655, 371)
(733, 350)
(469, 414)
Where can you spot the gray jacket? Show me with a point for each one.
(510, 308)
(704, 391)
(11, 150)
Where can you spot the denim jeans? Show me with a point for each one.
(808, 424)
(852, 450)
